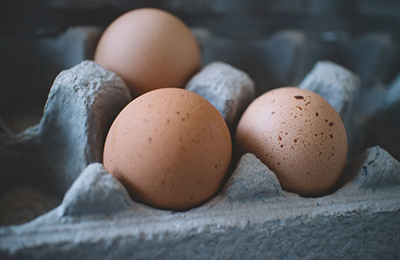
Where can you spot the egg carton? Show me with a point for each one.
(77, 210)
(58, 202)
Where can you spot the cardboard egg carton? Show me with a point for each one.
(58, 202)
(251, 217)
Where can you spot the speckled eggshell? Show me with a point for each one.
(298, 135)
(170, 148)
(149, 48)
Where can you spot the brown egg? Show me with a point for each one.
(298, 135)
(170, 148)
(149, 49)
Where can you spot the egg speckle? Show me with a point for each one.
(298, 135)
(149, 49)
(170, 148)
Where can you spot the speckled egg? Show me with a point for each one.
(170, 148)
(298, 135)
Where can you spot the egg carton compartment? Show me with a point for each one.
(57, 200)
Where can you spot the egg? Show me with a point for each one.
(149, 49)
(298, 135)
(170, 148)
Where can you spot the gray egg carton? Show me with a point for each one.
(72, 208)
(58, 202)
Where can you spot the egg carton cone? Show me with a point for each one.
(59, 202)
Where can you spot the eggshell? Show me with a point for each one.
(298, 135)
(149, 49)
(170, 148)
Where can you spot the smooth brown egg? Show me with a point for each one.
(149, 49)
(170, 148)
(298, 135)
